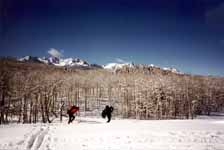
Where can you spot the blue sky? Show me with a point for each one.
(185, 34)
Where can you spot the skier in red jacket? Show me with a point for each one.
(71, 113)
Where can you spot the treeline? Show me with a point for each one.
(31, 93)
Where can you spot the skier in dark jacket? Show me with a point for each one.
(107, 112)
(71, 113)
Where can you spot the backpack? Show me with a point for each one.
(103, 114)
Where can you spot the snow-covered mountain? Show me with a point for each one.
(76, 62)
(174, 70)
(52, 60)
(30, 59)
(70, 62)
(115, 66)
(120, 66)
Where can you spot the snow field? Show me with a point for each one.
(96, 134)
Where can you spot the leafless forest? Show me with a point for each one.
(32, 92)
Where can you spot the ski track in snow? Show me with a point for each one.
(95, 134)
(35, 140)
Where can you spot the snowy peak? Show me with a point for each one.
(145, 68)
(26, 58)
(31, 59)
(174, 70)
(115, 66)
(56, 61)
(72, 62)
(53, 60)
(80, 62)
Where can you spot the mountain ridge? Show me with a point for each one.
(77, 62)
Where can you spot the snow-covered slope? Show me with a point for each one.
(96, 134)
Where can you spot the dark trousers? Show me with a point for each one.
(109, 117)
(71, 118)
